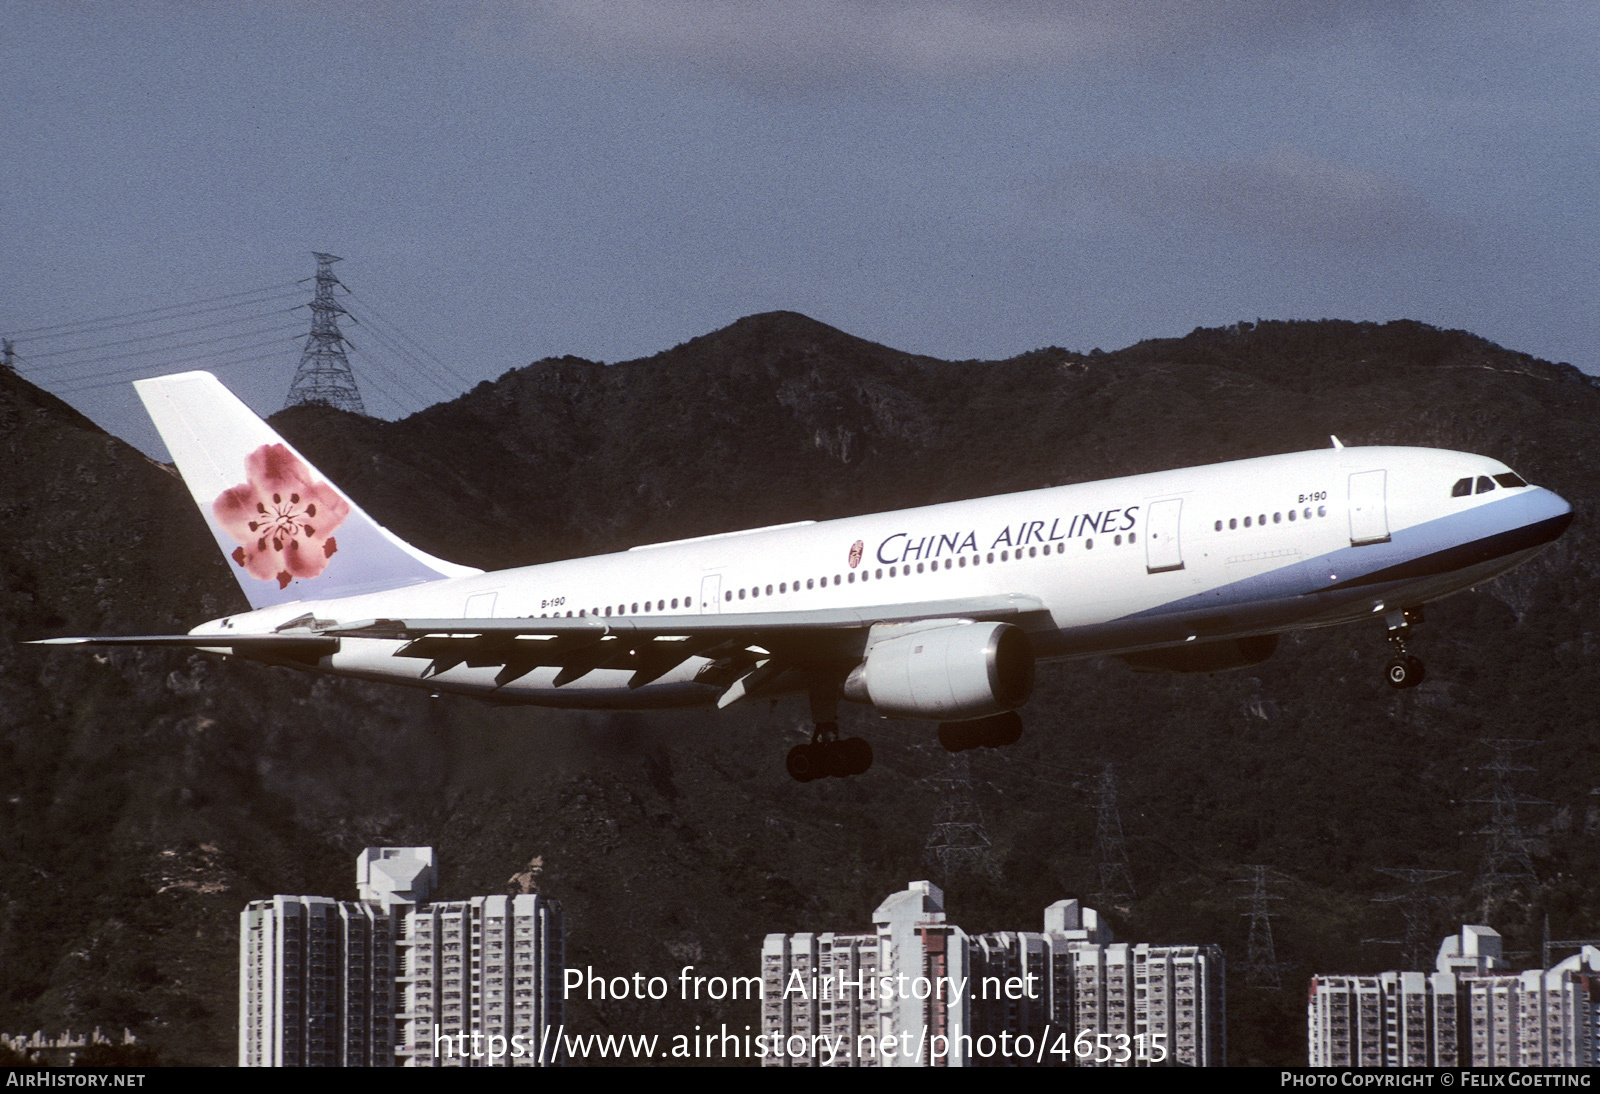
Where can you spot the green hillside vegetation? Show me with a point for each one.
(146, 796)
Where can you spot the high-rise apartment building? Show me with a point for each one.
(1470, 1012)
(982, 996)
(390, 978)
(489, 966)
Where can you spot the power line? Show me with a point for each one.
(368, 309)
(86, 324)
(157, 370)
(177, 333)
(256, 332)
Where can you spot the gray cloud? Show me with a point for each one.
(1284, 197)
(765, 42)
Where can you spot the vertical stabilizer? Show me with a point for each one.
(289, 534)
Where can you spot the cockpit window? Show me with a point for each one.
(1485, 484)
(1510, 479)
(1461, 489)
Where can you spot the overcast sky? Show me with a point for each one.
(962, 178)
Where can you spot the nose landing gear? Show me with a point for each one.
(1403, 670)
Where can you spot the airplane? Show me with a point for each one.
(937, 613)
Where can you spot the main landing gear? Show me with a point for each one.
(1403, 670)
(827, 754)
(991, 732)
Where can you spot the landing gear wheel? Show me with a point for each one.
(806, 762)
(957, 736)
(1403, 672)
(1003, 729)
(852, 756)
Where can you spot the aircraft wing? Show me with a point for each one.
(746, 651)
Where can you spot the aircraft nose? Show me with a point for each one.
(1556, 512)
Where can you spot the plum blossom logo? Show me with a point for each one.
(281, 518)
(855, 553)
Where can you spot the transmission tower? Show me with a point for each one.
(1116, 879)
(1506, 867)
(958, 842)
(324, 377)
(1416, 906)
(1261, 959)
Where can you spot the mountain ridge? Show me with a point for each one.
(146, 795)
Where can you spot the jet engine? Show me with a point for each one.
(1217, 656)
(953, 673)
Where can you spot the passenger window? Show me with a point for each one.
(635, 609)
(1291, 514)
(990, 558)
(1088, 545)
(1307, 513)
(1277, 518)
(1322, 511)
(919, 567)
(674, 603)
(947, 564)
(729, 595)
(1133, 536)
(769, 590)
(1462, 488)
(810, 582)
(1247, 522)
(1485, 484)
(1510, 480)
(852, 577)
(963, 562)
(1233, 523)
(877, 575)
(1219, 526)
(1005, 556)
(1117, 542)
(1033, 552)
(1262, 519)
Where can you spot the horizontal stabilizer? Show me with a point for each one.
(275, 647)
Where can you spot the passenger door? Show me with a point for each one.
(1369, 512)
(1162, 549)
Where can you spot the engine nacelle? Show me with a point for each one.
(966, 670)
(1216, 656)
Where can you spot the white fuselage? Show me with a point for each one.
(1228, 550)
